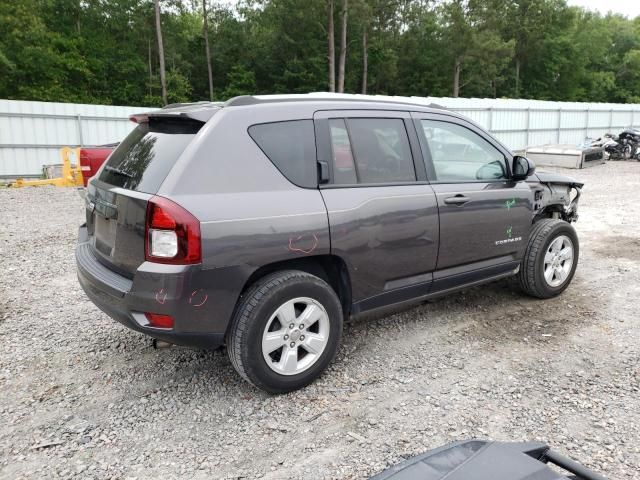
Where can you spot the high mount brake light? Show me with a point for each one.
(139, 118)
(172, 234)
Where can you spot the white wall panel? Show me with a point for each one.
(543, 119)
(508, 120)
(537, 138)
(31, 133)
(512, 138)
(621, 118)
(599, 119)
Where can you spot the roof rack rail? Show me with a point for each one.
(241, 101)
(246, 100)
(192, 104)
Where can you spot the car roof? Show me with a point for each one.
(203, 111)
(359, 101)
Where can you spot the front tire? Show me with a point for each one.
(550, 259)
(285, 331)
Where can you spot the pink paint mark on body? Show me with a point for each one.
(294, 240)
(161, 296)
(198, 298)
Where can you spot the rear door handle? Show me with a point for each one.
(457, 200)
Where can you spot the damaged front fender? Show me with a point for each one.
(555, 196)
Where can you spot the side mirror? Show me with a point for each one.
(522, 168)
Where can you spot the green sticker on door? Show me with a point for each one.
(510, 238)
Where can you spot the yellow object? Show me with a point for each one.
(71, 175)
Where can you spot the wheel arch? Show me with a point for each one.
(549, 210)
(330, 268)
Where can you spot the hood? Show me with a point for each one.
(552, 177)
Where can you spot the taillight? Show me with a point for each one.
(172, 234)
(158, 320)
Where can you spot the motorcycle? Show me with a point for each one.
(620, 147)
(630, 138)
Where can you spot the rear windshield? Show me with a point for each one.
(143, 160)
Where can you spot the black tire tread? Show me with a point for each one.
(537, 238)
(249, 301)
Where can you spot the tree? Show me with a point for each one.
(365, 61)
(205, 29)
(421, 49)
(343, 45)
(457, 32)
(163, 80)
(286, 46)
(240, 81)
(364, 13)
(522, 21)
(140, 52)
(331, 55)
(476, 47)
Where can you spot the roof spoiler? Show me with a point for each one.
(199, 111)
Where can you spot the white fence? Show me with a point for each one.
(521, 123)
(31, 133)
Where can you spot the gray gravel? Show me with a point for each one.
(83, 396)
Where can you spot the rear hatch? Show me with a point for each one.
(117, 196)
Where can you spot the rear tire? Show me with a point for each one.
(269, 343)
(550, 259)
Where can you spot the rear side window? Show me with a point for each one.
(371, 150)
(143, 159)
(291, 147)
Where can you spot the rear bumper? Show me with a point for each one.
(165, 289)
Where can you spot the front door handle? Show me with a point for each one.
(457, 200)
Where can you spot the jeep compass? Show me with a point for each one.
(264, 222)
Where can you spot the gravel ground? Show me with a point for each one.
(83, 396)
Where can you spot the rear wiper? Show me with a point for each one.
(118, 171)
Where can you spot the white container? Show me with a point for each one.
(567, 156)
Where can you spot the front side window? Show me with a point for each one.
(344, 169)
(291, 147)
(461, 155)
(371, 150)
(381, 150)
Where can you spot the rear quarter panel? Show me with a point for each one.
(250, 214)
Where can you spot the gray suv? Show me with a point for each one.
(264, 222)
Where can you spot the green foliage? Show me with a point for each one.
(240, 81)
(105, 51)
(178, 87)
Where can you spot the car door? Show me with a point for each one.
(382, 213)
(485, 217)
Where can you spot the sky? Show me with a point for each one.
(630, 8)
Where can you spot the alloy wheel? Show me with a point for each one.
(295, 336)
(558, 261)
